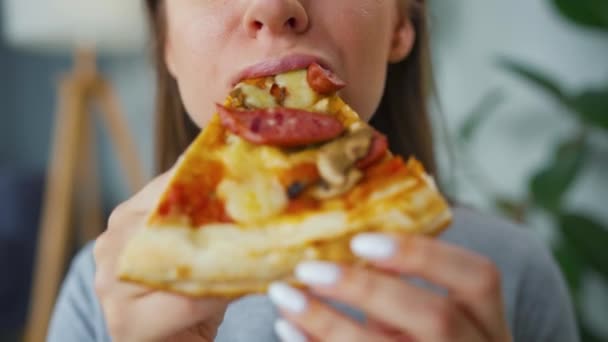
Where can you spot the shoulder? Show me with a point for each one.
(506, 243)
(536, 298)
(512, 247)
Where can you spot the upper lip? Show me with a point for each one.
(274, 66)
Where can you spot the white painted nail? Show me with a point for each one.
(373, 246)
(286, 297)
(318, 273)
(287, 332)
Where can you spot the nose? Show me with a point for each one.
(276, 17)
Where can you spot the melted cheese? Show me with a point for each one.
(257, 97)
(253, 200)
(322, 106)
(299, 94)
(251, 192)
(240, 156)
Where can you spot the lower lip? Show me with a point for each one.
(273, 67)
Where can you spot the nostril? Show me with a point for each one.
(257, 25)
(291, 22)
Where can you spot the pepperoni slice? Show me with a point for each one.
(377, 150)
(322, 80)
(284, 127)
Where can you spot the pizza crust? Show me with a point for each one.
(229, 260)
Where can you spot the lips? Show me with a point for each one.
(276, 66)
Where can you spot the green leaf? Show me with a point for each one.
(592, 106)
(572, 264)
(588, 335)
(589, 238)
(588, 13)
(486, 106)
(537, 78)
(512, 209)
(549, 185)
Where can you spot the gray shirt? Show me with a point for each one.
(536, 299)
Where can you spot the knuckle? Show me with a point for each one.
(331, 329)
(191, 308)
(363, 286)
(116, 215)
(442, 319)
(420, 256)
(328, 328)
(489, 278)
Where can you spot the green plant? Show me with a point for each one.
(582, 242)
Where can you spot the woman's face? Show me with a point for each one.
(212, 44)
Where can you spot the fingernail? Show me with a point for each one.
(373, 246)
(287, 332)
(317, 273)
(286, 297)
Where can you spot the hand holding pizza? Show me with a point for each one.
(397, 310)
(136, 313)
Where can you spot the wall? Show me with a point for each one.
(28, 100)
(472, 35)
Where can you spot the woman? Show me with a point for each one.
(484, 280)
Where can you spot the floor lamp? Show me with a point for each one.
(83, 28)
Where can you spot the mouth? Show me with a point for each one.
(271, 67)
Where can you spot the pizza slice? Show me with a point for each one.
(284, 172)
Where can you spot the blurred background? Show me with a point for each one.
(521, 117)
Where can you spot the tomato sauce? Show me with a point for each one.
(194, 196)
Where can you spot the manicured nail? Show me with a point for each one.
(373, 246)
(286, 297)
(287, 332)
(317, 273)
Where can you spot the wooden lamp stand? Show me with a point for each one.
(72, 188)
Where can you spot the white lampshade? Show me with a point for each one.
(109, 26)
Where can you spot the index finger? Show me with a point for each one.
(146, 198)
(471, 279)
(126, 219)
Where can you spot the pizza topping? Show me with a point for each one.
(340, 161)
(377, 150)
(302, 204)
(336, 158)
(193, 198)
(282, 127)
(253, 200)
(298, 178)
(300, 94)
(279, 93)
(254, 96)
(322, 106)
(323, 81)
(295, 189)
(332, 190)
